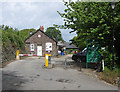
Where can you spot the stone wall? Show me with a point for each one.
(34, 39)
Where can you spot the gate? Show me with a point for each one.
(93, 56)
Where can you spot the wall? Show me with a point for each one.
(34, 39)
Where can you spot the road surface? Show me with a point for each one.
(29, 74)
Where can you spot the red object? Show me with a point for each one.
(29, 55)
(25, 55)
(95, 62)
(42, 28)
(34, 55)
(74, 52)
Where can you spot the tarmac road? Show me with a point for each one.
(29, 74)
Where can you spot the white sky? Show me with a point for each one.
(23, 14)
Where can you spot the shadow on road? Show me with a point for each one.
(11, 81)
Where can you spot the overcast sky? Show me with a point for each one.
(24, 14)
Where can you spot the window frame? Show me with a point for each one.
(31, 47)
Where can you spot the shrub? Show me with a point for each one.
(110, 76)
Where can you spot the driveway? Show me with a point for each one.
(29, 74)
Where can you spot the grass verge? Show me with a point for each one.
(111, 76)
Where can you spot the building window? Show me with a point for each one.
(31, 47)
(48, 46)
(39, 36)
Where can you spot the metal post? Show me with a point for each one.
(102, 64)
(80, 65)
(87, 58)
(65, 63)
(86, 65)
(113, 42)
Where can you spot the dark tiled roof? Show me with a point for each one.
(42, 32)
(72, 46)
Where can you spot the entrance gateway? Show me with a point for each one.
(39, 50)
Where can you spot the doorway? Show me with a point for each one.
(39, 50)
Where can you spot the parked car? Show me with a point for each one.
(81, 55)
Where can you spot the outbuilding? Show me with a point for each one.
(40, 44)
(66, 47)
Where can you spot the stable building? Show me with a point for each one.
(40, 44)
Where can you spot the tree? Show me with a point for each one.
(11, 40)
(54, 33)
(26, 33)
(93, 20)
(76, 40)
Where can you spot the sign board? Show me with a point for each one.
(48, 46)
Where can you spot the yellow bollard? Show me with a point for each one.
(46, 60)
(49, 58)
(17, 55)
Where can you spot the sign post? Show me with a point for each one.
(48, 56)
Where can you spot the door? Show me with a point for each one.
(39, 50)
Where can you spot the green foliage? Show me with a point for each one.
(25, 33)
(12, 39)
(107, 56)
(9, 35)
(93, 20)
(110, 76)
(54, 33)
(9, 42)
(113, 73)
(77, 41)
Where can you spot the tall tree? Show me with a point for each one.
(94, 20)
(54, 33)
(26, 33)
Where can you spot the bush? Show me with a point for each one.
(110, 76)
(107, 56)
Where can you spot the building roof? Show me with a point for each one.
(42, 32)
(60, 43)
(70, 46)
(67, 45)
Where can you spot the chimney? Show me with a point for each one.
(42, 28)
